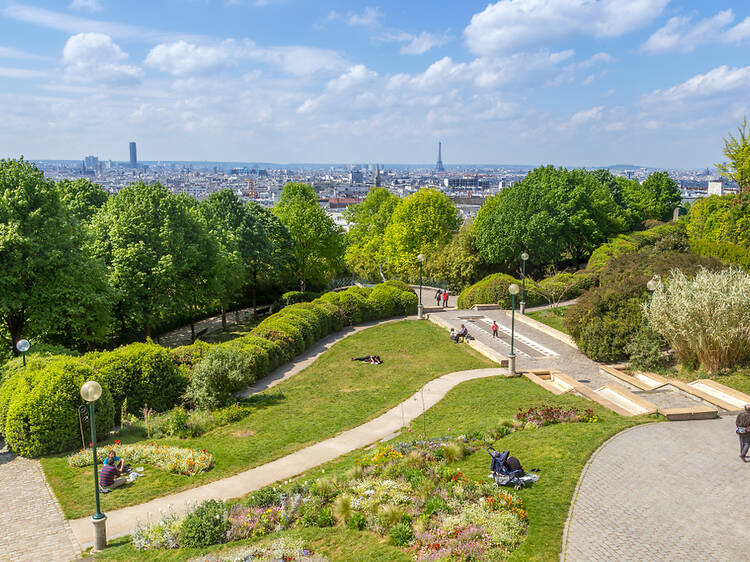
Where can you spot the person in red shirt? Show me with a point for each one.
(445, 299)
(494, 329)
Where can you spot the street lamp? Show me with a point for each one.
(513, 290)
(524, 257)
(23, 346)
(420, 307)
(652, 284)
(90, 392)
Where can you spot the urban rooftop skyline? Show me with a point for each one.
(653, 83)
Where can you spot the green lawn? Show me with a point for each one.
(553, 317)
(560, 451)
(332, 395)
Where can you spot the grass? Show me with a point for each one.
(560, 451)
(553, 317)
(330, 396)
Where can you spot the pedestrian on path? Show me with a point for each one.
(439, 296)
(445, 299)
(743, 430)
(494, 329)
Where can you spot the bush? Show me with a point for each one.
(308, 323)
(189, 355)
(144, 373)
(334, 314)
(221, 373)
(42, 414)
(205, 526)
(409, 302)
(284, 331)
(645, 350)
(725, 251)
(385, 302)
(355, 306)
(265, 496)
(294, 297)
(357, 522)
(601, 256)
(493, 289)
(401, 534)
(705, 318)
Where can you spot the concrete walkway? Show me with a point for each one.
(32, 526)
(122, 521)
(668, 491)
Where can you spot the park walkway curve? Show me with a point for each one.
(122, 521)
(665, 491)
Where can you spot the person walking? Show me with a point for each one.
(445, 299)
(439, 296)
(743, 430)
(494, 329)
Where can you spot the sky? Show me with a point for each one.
(567, 82)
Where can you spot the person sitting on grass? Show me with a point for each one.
(371, 359)
(462, 333)
(109, 475)
(115, 461)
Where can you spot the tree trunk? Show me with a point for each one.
(255, 284)
(192, 324)
(148, 331)
(15, 323)
(223, 316)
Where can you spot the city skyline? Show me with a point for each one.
(652, 83)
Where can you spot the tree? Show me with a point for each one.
(152, 245)
(82, 197)
(48, 284)
(737, 151)
(553, 213)
(458, 262)
(241, 241)
(420, 224)
(656, 198)
(319, 244)
(368, 221)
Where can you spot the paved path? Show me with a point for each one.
(122, 521)
(182, 335)
(668, 492)
(31, 522)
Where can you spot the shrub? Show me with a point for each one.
(705, 318)
(189, 354)
(601, 256)
(42, 415)
(221, 373)
(385, 302)
(356, 522)
(265, 496)
(271, 349)
(206, 525)
(294, 297)
(144, 373)
(493, 289)
(342, 508)
(257, 355)
(401, 534)
(308, 323)
(355, 306)
(283, 330)
(403, 287)
(335, 315)
(645, 350)
(725, 251)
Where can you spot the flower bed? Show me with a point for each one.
(172, 459)
(281, 549)
(407, 492)
(539, 416)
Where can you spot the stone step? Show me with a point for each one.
(632, 403)
(718, 394)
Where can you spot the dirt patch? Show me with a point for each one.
(247, 433)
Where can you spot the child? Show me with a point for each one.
(494, 329)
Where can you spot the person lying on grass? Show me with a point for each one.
(371, 359)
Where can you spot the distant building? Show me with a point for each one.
(355, 176)
(439, 166)
(716, 188)
(378, 180)
(468, 182)
(133, 156)
(91, 164)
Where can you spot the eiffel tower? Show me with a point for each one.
(439, 165)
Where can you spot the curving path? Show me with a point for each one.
(666, 491)
(122, 521)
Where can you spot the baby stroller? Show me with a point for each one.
(507, 470)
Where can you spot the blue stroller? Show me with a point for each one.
(507, 470)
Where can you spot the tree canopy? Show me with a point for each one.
(737, 151)
(82, 197)
(656, 198)
(318, 243)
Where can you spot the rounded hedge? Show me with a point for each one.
(355, 306)
(42, 416)
(493, 289)
(336, 317)
(144, 373)
(222, 372)
(189, 354)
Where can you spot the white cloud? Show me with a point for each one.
(301, 61)
(511, 25)
(420, 44)
(87, 5)
(183, 58)
(598, 58)
(13, 53)
(20, 73)
(370, 17)
(593, 114)
(738, 33)
(680, 35)
(589, 80)
(718, 82)
(94, 57)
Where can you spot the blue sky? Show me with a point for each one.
(567, 82)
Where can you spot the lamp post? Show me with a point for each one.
(513, 290)
(652, 284)
(420, 307)
(524, 257)
(23, 346)
(90, 392)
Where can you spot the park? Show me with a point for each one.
(603, 341)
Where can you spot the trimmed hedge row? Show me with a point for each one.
(232, 366)
(493, 289)
(725, 251)
(38, 404)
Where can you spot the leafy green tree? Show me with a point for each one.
(420, 223)
(368, 221)
(150, 242)
(721, 219)
(319, 244)
(553, 213)
(83, 197)
(737, 151)
(656, 198)
(458, 262)
(241, 242)
(48, 284)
